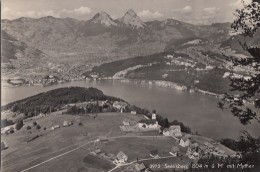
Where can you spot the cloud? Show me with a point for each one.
(150, 15)
(203, 16)
(183, 14)
(10, 14)
(5, 10)
(78, 11)
(187, 8)
(38, 14)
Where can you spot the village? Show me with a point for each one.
(113, 137)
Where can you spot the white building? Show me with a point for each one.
(67, 123)
(133, 112)
(126, 123)
(148, 123)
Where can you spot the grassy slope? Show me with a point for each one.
(21, 155)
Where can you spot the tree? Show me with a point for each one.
(28, 127)
(38, 127)
(12, 131)
(19, 125)
(34, 123)
(245, 90)
(244, 97)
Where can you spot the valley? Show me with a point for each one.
(73, 47)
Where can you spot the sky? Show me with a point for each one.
(191, 11)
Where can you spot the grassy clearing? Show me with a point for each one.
(97, 162)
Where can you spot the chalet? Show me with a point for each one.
(148, 123)
(175, 130)
(175, 150)
(140, 167)
(185, 141)
(121, 157)
(55, 127)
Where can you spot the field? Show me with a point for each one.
(21, 155)
(69, 148)
(140, 147)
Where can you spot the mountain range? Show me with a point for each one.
(76, 45)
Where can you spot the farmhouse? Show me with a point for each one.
(185, 141)
(121, 157)
(175, 130)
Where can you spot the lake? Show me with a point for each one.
(198, 111)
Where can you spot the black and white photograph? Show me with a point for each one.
(130, 85)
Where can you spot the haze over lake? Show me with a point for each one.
(199, 112)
